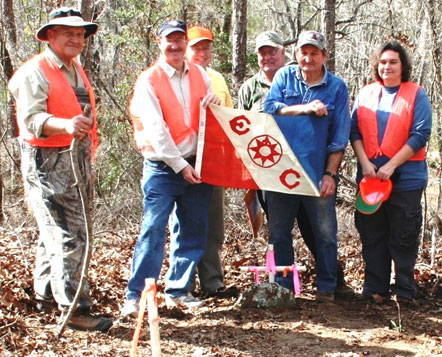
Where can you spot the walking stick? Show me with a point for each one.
(85, 206)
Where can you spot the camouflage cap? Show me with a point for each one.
(269, 38)
(314, 38)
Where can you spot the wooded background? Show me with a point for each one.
(125, 45)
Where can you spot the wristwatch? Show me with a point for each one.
(332, 175)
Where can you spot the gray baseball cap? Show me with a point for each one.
(269, 38)
(314, 38)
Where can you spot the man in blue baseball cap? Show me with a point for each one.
(165, 110)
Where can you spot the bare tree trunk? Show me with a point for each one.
(430, 9)
(86, 56)
(239, 43)
(328, 16)
(183, 15)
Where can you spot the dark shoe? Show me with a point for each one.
(374, 298)
(83, 320)
(221, 293)
(343, 291)
(323, 297)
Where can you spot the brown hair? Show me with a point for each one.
(395, 46)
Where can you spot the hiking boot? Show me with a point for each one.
(83, 320)
(130, 308)
(183, 300)
(374, 298)
(221, 293)
(323, 297)
(343, 291)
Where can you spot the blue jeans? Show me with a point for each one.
(163, 189)
(282, 210)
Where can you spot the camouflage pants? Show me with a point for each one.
(56, 203)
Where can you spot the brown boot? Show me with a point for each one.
(83, 320)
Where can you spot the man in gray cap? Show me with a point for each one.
(253, 93)
(165, 111)
(270, 53)
(50, 91)
(311, 107)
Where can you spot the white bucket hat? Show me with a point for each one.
(65, 16)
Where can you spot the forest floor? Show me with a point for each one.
(222, 327)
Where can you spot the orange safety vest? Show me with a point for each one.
(61, 103)
(172, 109)
(399, 122)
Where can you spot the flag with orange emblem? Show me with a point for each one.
(243, 149)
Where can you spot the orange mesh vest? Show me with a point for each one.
(399, 122)
(61, 103)
(173, 113)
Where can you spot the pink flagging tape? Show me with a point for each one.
(296, 282)
(270, 261)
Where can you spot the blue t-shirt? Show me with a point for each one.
(411, 175)
(312, 138)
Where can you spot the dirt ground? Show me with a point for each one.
(222, 327)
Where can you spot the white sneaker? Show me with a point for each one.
(183, 300)
(130, 308)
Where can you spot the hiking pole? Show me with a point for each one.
(87, 219)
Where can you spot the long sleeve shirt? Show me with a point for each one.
(312, 138)
(219, 87)
(30, 89)
(411, 175)
(146, 106)
(253, 93)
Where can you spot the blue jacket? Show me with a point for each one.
(311, 138)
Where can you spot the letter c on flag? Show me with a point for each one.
(240, 125)
(284, 176)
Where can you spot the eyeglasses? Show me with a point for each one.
(64, 13)
(269, 51)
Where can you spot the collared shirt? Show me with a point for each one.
(411, 175)
(146, 106)
(30, 89)
(220, 88)
(312, 138)
(253, 93)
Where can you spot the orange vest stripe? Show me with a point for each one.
(61, 103)
(398, 125)
(172, 109)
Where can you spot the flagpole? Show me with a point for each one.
(201, 138)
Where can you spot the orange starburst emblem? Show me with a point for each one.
(265, 151)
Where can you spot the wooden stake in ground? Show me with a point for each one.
(150, 295)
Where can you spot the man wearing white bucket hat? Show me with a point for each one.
(51, 91)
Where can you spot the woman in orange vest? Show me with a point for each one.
(391, 124)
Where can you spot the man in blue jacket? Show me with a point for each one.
(311, 107)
